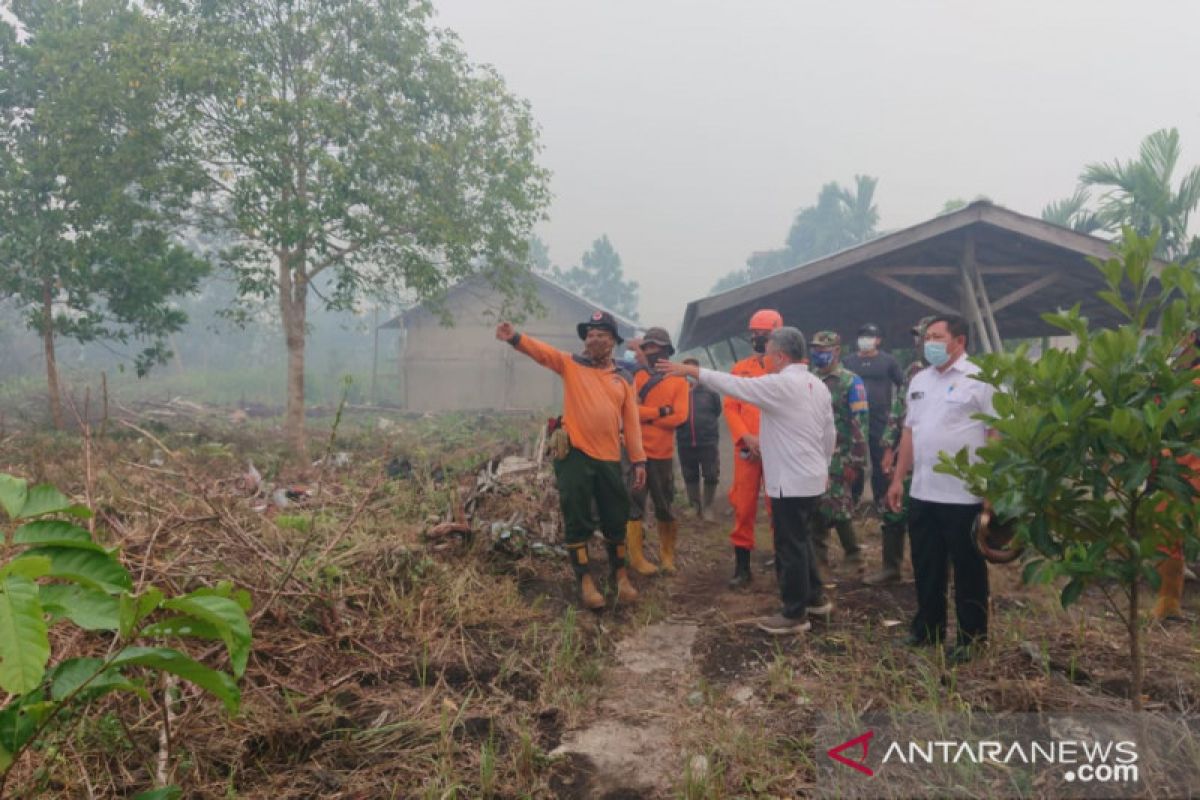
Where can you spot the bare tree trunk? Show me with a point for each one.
(1135, 649)
(293, 301)
(56, 411)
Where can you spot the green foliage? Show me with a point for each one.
(600, 279)
(94, 175)
(352, 139)
(1141, 194)
(1087, 462)
(54, 572)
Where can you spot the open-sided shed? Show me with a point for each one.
(999, 269)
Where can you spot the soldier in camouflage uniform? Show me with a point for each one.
(850, 453)
(895, 523)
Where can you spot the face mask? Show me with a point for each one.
(629, 355)
(866, 343)
(653, 358)
(759, 343)
(935, 353)
(822, 359)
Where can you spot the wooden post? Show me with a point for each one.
(972, 302)
(988, 315)
(375, 358)
(104, 401)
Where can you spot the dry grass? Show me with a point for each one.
(385, 665)
(381, 665)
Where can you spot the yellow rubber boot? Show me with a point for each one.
(668, 535)
(1170, 590)
(633, 541)
(589, 595)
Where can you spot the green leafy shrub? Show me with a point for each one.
(1088, 458)
(54, 573)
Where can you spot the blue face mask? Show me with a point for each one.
(629, 355)
(822, 359)
(935, 353)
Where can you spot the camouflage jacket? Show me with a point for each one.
(849, 418)
(895, 423)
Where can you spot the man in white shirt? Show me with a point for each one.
(942, 401)
(797, 438)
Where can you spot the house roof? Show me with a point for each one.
(626, 327)
(1028, 266)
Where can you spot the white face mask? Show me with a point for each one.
(866, 343)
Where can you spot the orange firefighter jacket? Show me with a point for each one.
(741, 417)
(658, 432)
(597, 402)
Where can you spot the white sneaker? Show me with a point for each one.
(780, 625)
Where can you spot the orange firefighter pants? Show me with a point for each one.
(743, 497)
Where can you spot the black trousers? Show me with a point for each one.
(703, 458)
(941, 538)
(879, 481)
(794, 520)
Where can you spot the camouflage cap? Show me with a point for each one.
(922, 324)
(826, 339)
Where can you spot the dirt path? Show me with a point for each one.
(704, 642)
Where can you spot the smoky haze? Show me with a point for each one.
(691, 131)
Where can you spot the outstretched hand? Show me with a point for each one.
(682, 370)
(505, 331)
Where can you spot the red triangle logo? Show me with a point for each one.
(864, 742)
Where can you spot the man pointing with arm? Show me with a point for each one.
(598, 405)
(796, 439)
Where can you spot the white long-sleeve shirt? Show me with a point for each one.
(797, 434)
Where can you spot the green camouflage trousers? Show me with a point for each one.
(837, 504)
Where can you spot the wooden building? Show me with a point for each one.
(462, 367)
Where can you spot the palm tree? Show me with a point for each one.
(1072, 212)
(1140, 193)
(861, 213)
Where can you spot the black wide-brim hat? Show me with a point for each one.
(599, 319)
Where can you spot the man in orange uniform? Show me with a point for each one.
(662, 407)
(743, 420)
(598, 404)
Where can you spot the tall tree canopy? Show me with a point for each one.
(841, 218)
(1141, 193)
(353, 137)
(94, 178)
(600, 278)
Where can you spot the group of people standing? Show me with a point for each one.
(804, 426)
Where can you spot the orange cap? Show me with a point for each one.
(767, 319)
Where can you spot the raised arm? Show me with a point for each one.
(760, 391)
(542, 353)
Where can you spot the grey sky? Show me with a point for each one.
(690, 131)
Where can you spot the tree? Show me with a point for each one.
(539, 256)
(353, 138)
(1086, 463)
(957, 203)
(1141, 193)
(93, 180)
(601, 279)
(1073, 212)
(841, 218)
